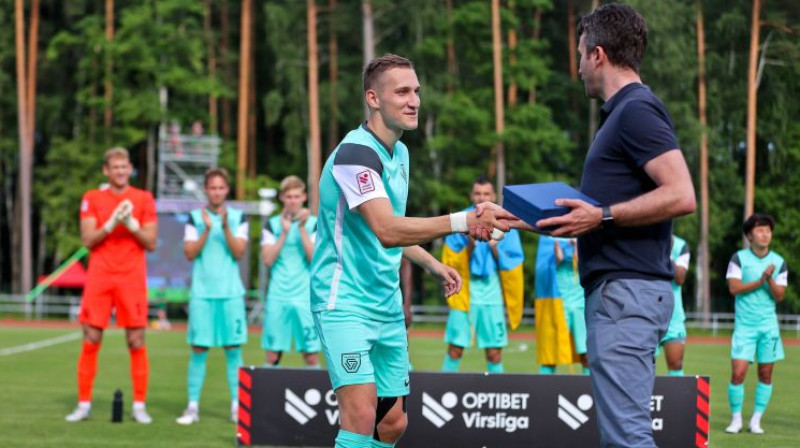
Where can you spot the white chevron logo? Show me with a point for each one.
(435, 411)
(298, 408)
(573, 416)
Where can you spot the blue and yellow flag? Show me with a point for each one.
(508, 263)
(553, 342)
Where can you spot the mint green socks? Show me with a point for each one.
(450, 364)
(233, 360)
(347, 439)
(735, 397)
(495, 367)
(763, 394)
(196, 374)
(675, 373)
(547, 370)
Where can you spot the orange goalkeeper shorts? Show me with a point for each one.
(128, 298)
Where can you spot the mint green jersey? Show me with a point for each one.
(680, 256)
(567, 278)
(756, 309)
(289, 275)
(351, 270)
(215, 273)
(485, 290)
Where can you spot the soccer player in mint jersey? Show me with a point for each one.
(215, 239)
(757, 277)
(287, 245)
(673, 342)
(572, 295)
(362, 234)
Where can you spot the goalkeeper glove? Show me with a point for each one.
(116, 216)
(127, 217)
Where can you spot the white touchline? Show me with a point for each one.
(41, 344)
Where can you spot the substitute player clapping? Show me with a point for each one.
(118, 224)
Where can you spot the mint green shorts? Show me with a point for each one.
(676, 334)
(217, 322)
(363, 351)
(764, 342)
(487, 321)
(576, 323)
(286, 320)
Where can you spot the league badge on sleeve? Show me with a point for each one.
(365, 182)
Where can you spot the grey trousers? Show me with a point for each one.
(625, 319)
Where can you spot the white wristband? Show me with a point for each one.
(458, 222)
(498, 234)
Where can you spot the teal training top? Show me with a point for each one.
(569, 282)
(289, 274)
(351, 270)
(756, 308)
(680, 256)
(215, 273)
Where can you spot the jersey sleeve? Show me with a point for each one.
(243, 229)
(312, 230)
(88, 209)
(782, 275)
(358, 170)
(149, 213)
(734, 268)
(267, 235)
(647, 131)
(684, 257)
(190, 232)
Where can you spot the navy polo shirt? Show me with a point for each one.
(634, 128)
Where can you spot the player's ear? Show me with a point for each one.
(371, 97)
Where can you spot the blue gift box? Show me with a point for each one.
(532, 202)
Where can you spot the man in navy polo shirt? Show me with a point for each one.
(637, 171)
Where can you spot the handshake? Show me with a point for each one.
(122, 214)
(489, 221)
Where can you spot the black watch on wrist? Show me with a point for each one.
(608, 220)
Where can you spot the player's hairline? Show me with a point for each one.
(116, 152)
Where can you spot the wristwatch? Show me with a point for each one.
(608, 220)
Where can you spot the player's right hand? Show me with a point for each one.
(767, 273)
(286, 222)
(449, 277)
(206, 219)
(118, 215)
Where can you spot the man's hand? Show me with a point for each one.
(126, 217)
(302, 216)
(767, 274)
(286, 222)
(223, 214)
(481, 227)
(206, 219)
(583, 218)
(448, 276)
(504, 216)
(116, 216)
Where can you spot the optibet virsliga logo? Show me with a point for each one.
(300, 408)
(437, 412)
(574, 416)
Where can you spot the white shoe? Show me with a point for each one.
(140, 415)
(234, 412)
(189, 417)
(755, 428)
(735, 427)
(79, 414)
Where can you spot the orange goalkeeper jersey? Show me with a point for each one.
(119, 253)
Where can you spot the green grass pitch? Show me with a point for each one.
(39, 389)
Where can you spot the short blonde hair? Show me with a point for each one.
(216, 172)
(292, 182)
(117, 152)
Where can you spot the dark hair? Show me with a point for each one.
(620, 30)
(216, 172)
(482, 180)
(758, 219)
(377, 66)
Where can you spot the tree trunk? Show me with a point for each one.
(252, 131)
(108, 115)
(33, 58)
(752, 98)
(333, 78)
(499, 117)
(593, 102)
(244, 84)
(537, 32)
(368, 32)
(315, 139)
(703, 298)
(92, 127)
(512, 60)
(211, 66)
(225, 30)
(572, 41)
(452, 68)
(23, 218)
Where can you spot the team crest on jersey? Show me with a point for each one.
(365, 182)
(351, 362)
(84, 205)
